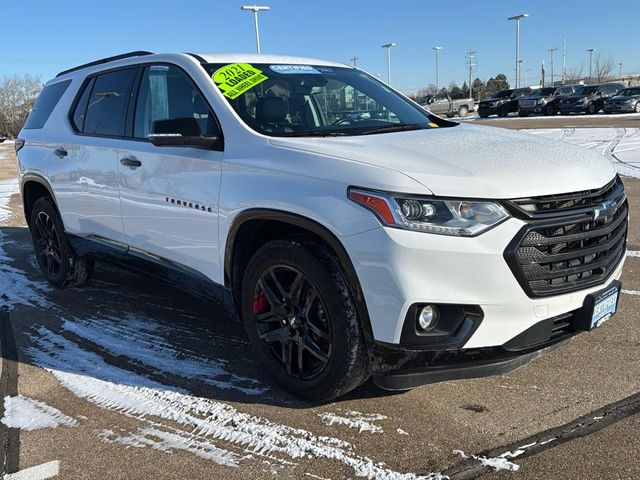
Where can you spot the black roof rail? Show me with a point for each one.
(137, 53)
(196, 56)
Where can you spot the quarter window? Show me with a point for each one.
(166, 93)
(107, 106)
(45, 104)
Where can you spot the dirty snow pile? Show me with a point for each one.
(8, 188)
(28, 414)
(171, 419)
(621, 145)
(357, 420)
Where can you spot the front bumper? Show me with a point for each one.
(619, 108)
(487, 111)
(398, 368)
(573, 108)
(531, 110)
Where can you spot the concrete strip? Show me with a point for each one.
(40, 472)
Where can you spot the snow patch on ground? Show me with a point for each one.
(15, 287)
(29, 414)
(621, 145)
(400, 431)
(496, 463)
(8, 188)
(205, 427)
(138, 339)
(359, 421)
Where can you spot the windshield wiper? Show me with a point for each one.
(396, 127)
(313, 133)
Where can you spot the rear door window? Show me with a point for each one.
(107, 106)
(45, 104)
(81, 107)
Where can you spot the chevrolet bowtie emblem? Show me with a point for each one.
(605, 211)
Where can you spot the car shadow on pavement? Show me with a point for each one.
(145, 327)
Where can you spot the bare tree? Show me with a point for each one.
(604, 66)
(17, 95)
(574, 74)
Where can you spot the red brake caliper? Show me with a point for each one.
(260, 303)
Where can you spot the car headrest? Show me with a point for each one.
(271, 110)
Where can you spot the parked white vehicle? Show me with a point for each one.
(355, 233)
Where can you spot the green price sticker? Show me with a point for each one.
(236, 78)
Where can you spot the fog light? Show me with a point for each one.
(428, 317)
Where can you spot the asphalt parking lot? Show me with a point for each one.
(132, 379)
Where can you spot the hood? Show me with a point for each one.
(492, 100)
(576, 98)
(470, 161)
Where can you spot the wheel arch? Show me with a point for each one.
(32, 188)
(280, 224)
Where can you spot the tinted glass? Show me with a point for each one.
(630, 92)
(81, 107)
(503, 93)
(45, 104)
(314, 100)
(107, 108)
(166, 93)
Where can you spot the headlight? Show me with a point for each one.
(541, 101)
(461, 218)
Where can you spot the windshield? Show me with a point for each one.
(629, 92)
(543, 92)
(502, 94)
(311, 100)
(586, 90)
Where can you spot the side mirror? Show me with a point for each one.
(180, 132)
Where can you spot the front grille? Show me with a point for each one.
(573, 251)
(562, 203)
(527, 103)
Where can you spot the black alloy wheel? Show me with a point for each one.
(47, 241)
(291, 318)
(302, 320)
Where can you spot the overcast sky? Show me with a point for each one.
(44, 37)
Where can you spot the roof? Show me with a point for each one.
(261, 58)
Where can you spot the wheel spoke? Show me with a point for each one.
(306, 310)
(274, 279)
(276, 304)
(300, 360)
(277, 335)
(42, 231)
(289, 357)
(49, 263)
(312, 347)
(267, 317)
(317, 330)
(296, 288)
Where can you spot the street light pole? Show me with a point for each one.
(388, 47)
(590, 50)
(620, 65)
(255, 9)
(437, 50)
(517, 18)
(470, 64)
(551, 50)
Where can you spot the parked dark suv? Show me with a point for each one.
(589, 98)
(625, 101)
(502, 103)
(544, 101)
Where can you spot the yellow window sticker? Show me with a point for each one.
(236, 78)
(433, 125)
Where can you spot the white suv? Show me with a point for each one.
(355, 233)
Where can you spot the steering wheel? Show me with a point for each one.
(343, 121)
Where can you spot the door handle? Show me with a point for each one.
(60, 152)
(132, 162)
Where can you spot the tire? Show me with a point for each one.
(463, 111)
(483, 115)
(549, 111)
(56, 258)
(591, 109)
(319, 314)
(522, 114)
(502, 112)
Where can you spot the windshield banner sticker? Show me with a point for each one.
(293, 69)
(236, 78)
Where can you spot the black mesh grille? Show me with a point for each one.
(568, 201)
(574, 252)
